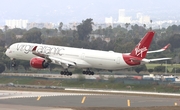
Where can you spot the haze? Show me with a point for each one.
(75, 11)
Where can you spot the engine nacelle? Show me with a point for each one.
(39, 63)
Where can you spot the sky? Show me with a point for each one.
(77, 10)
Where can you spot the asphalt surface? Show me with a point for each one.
(21, 100)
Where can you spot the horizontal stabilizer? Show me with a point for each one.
(159, 59)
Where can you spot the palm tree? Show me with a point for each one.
(6, 28)
(151, 24)
(127, 25)
(144, 25)
(60, 26)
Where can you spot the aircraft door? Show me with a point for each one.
(82, 56)
(118, 60)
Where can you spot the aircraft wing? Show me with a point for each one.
(60, 60)
(65, 62)
(160, 50)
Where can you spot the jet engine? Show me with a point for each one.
(39, 63)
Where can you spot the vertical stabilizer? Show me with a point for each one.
(142, 47)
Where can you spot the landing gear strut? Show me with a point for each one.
(13, 63)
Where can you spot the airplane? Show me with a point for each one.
(41, 55)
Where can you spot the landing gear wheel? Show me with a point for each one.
(88, 72)
(13, 64)
(62, 73)
(70, 73)
(66, 73)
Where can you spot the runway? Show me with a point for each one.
(11, 100)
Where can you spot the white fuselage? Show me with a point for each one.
(84, 58)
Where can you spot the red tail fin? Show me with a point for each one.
(142, 47)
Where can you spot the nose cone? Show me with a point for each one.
(7, 52)
(10, 52)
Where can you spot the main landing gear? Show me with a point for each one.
(88, 72)
(66, 72)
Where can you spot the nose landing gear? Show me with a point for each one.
(13, 63)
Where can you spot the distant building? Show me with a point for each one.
(107, 39)
(139, 15)
(16, 23)
(122, 18)
(40, 25)
(121, 12)
(144, 20)
(73, 26)
(99, 26)
(109, 21)
(2, 27)
(19, 36)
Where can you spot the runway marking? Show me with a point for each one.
(128, 103)
(38, 98)
(84, 98)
